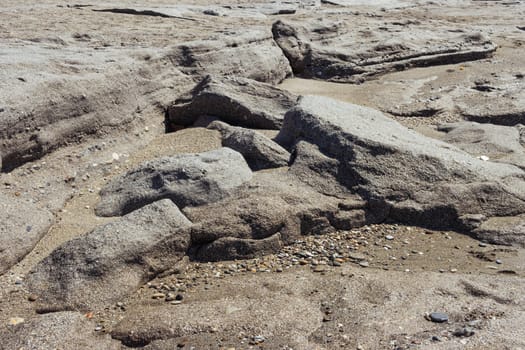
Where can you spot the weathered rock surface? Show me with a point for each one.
(499, 102)
(110, 262)
(60, 330)
(251, 54)
(237, 101)
(187, 179)
(259, 151)
(337, 52)
(220, 315)
(22, 224)
(275, 209)
(421, 180)
(498, 143)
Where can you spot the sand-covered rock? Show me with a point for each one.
(187, 179)
(110, 262)
(22, 224)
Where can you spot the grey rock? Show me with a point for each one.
(186, 179)
(259, 151)
(502, 230)
(332, 51)
(59, 330)
(499, 143)
(237, 101)
(418, 180)
(22, 225)
(250, 54)
(275, 208)
(464, 332)
(107, 264)
(438, 317)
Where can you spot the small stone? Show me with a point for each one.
(438, 317)
(498, 261)
(16, 320)
(464, 332)
(389, 237)
(32, 297)
(356, 256)
(435, 338)
(482, 244)
(453, 270)
(98, 328)
(176, 302)
(258, 339)
(319, 268)
(364, 264)
(158, 296)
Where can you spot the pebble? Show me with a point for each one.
(482, 245)
(364, 264)
(389, 237)
(498, 261)
(16, 320)
(453, 270)
(32, 297)
(464, 332)
(438, 317)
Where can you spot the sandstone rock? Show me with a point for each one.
(110, 262)
(22, 224)
(220, 315)
(251, 54)
(276, 208)
(237, 101)
(186, 179)
(420, 180)
(498, 143)
(60, 330)
(502, 230)
(339, 52)
(259, 151)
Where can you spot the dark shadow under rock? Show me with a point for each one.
(259, 151)
(424, 181)
(343, 52)
(237, 101)
(105, 265)
(186, 179)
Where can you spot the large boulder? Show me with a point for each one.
(186, 179)
(59, 330)
(108, 263)
(259, 151)
(251, 54)
(420, 180)
(22, 224)
(345, 52)
(237, 101)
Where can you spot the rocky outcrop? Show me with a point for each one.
(259, 151)
(420, 180)
(22, 224)
(187, 179)
(250, 54)
(110, 262)
(60, 330)
(237, 101)
(333, 51)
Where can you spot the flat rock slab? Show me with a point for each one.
(259, 151)
(486, 141)
(281, 315)
(344, 52)
(421, 178)
(237, 101)
(187, 179)
(250, 54)
(60, 330)
(22, 224)
(110, 262)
